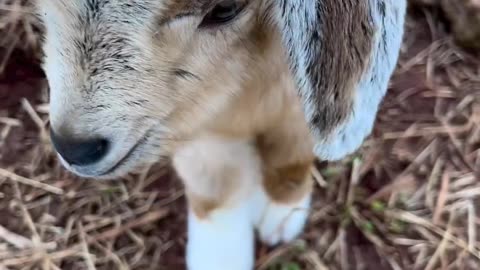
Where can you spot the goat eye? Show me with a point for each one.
(222, 13)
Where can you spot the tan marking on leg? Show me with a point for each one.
(202, 207)
(288, 184)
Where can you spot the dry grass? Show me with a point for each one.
(19, 29)
(407, 200)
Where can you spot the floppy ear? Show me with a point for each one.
(342, 54)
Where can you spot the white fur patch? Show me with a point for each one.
(279, 223)
(211, 168)
(223, 241)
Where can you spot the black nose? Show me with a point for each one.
(79, 152)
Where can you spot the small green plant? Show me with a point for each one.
(291, 266)
(331, 171)
(346, 218)
(368, 227)
(286, 265)
(111, 190)
(378, 207)
(398, 226)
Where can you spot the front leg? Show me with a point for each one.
(223, 240)
(284, 198)
(219, 175)
(283, 203)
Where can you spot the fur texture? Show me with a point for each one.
(343, 54)
(242, 108)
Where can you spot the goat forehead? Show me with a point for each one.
(110, 25)
(132, 9)
(101, 36)
(106, 37)
(83, 7)
(122, 16)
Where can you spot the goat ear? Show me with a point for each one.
(342, 55)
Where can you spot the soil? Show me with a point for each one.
(23, 78)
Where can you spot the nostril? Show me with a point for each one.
(79, 152)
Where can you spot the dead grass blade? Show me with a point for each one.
(25, 181)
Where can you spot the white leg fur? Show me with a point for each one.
(224, 171)
(223, 241)
(279, 223)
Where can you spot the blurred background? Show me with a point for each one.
(409, 199)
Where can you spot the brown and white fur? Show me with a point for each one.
(242, 109)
